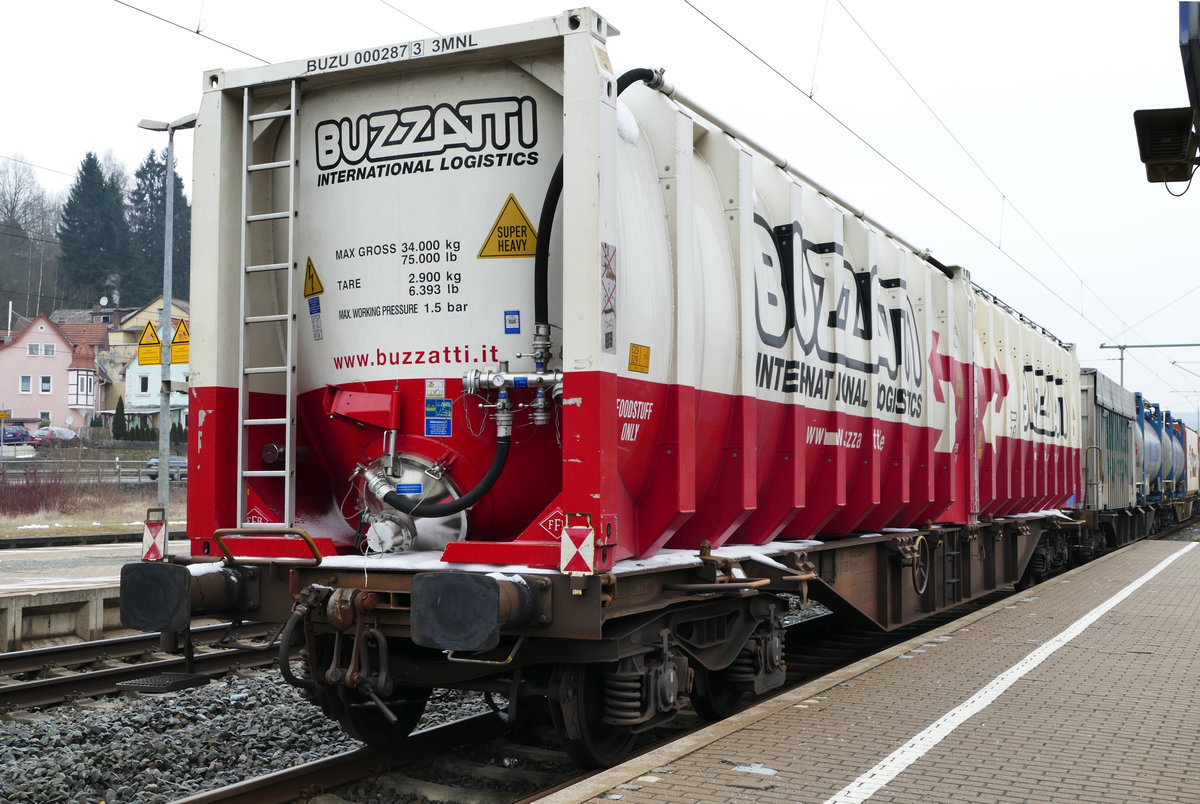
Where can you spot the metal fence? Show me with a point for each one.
(26, 471)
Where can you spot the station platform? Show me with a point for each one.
(1079, 689)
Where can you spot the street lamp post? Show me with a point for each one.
(164, 410)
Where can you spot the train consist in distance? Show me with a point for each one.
(520, 375)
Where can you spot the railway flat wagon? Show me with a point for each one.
(524, 375)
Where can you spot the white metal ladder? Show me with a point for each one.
(262, 210)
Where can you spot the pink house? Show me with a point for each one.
(45, 375)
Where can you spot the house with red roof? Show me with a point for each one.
(49, 374)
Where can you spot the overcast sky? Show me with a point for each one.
(1037, 188)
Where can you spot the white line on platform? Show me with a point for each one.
(899, 760)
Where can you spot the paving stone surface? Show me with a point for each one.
(1111, 716)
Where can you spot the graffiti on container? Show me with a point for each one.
(848, 322)
(1048, 413)
(1117, 447)
(813, 381)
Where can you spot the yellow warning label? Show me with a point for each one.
(312, 282)
(180, 343)
(602, 55)
(639, 358)
(149, 346)
(512, 234)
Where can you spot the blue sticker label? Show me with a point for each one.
(314, 305)
(437, 428)
(512, 322)
(439, 408)
(408, 488)
(520, 382)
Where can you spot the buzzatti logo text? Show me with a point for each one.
(417, 131)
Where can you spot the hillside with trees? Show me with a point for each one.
(103, 239)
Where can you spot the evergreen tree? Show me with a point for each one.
(119, 429)
(94, 235)
(145, 215)
(147, 223)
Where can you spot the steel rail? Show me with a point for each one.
(103, 681)
(291, 783)
(54, 690)
(74, 654)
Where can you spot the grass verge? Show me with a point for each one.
(59, 501)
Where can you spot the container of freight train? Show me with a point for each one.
(1149, 434)
(1187, 489)
(1108, 422)
(1173, 434)
(487, 297)
(1191, 460)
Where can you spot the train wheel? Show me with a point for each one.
(577, 706)
(921, 566)
(714, 696)
(363, 721)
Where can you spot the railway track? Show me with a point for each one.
(1189, 527)
(482, 760)
(434, 747)
(52, 675)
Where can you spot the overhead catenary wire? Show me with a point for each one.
(39, 235)
(60, 244)
(912, 180)
(1006, 201)
(189, 30)
(1175, 363)
(36, 166)
(410, 17)
(76, 177)
(891, 163)
(1174, 300)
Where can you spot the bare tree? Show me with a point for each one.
(115, 171)
(28, 248)
(43, 232)
(20, 192)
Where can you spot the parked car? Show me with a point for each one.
(15, 434)
(176, 468)
(53, 436)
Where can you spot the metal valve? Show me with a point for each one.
(542, 412)
(542, 348)
(503, 414)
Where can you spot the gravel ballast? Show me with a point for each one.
(158, 748)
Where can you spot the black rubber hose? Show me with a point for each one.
(541, 254)
(632, 76)
(464, 502)
(285, 650)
